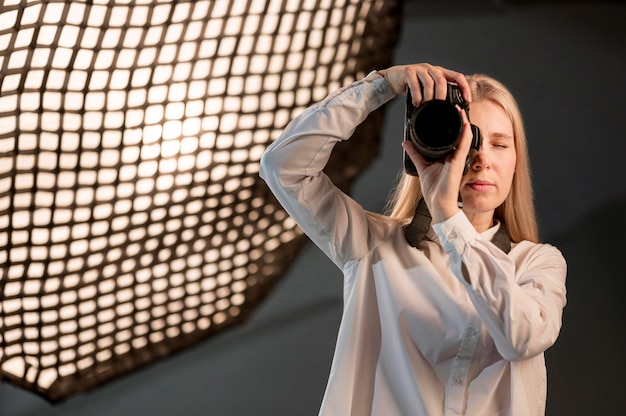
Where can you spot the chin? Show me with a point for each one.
(472, 206)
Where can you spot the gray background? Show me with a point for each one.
(566, 64)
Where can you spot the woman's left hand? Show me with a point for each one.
(441, 180)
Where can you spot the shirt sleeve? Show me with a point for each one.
(520, 302)
(292, 168)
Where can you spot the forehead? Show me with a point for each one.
(491, 119)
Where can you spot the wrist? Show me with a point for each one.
(442, 217)
(443, 213)
(383, 73)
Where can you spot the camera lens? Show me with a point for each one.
(436, 128)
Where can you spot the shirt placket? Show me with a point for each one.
(456, 387)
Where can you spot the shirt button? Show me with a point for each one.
(458, 381)
(452, 235)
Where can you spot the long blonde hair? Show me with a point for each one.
(517, 212)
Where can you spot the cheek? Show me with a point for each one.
(508, 169)
(513, 163)
(504, 164)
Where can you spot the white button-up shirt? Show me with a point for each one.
(415, 337)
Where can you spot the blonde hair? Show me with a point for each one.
(517, 212)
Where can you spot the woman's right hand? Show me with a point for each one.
(425, 81)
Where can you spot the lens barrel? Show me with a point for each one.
(435, 128)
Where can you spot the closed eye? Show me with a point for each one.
(501, 140)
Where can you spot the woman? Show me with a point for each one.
(454, 324)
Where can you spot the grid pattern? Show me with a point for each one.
(132, 219)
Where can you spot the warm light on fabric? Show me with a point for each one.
(132, 219)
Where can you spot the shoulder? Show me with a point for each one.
(538, 255)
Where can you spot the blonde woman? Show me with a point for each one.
(450, 320)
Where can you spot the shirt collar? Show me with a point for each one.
(486, 235)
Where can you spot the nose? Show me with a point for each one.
(480, 159)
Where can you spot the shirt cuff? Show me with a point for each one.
(382, 86)
(368, 93)
(456, 233)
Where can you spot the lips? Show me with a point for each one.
(480, 185)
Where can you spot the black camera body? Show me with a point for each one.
(435, 127)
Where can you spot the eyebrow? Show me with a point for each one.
(501, 136)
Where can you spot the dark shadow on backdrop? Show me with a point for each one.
(586, 365)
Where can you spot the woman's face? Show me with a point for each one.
(488, 181)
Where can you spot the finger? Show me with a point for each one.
(460, 80)
(441, 84)
(417, 97)
(416, 157)
(466, 139)
(428, 84)
(413, 83)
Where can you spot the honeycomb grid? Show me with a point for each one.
(132, 219)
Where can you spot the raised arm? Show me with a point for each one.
(292, 168)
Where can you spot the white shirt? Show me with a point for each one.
(415, 338)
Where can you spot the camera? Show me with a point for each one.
(435, 127)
